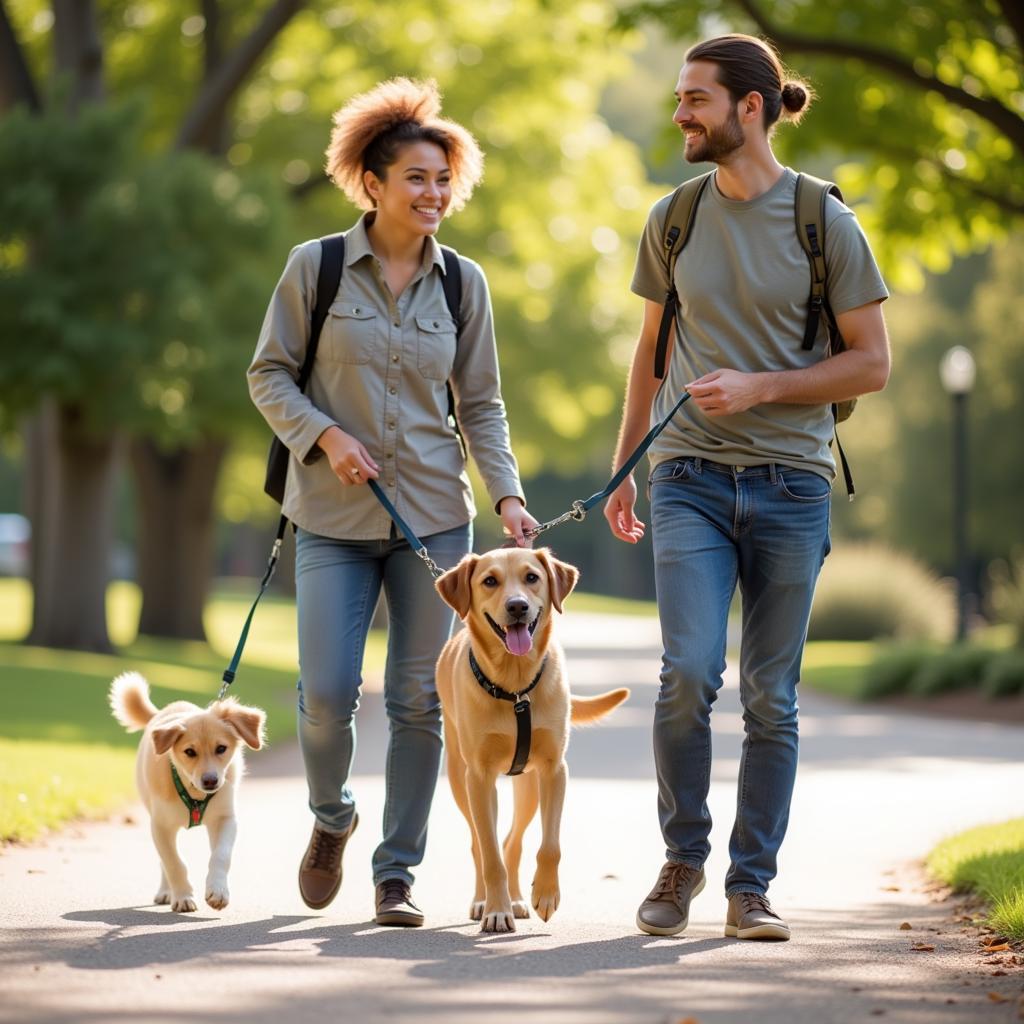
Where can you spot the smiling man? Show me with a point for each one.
(741, 479)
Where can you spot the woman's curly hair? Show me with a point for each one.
(370, 130)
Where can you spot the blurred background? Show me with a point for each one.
(158, 160)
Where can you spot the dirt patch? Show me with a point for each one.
(969, 705)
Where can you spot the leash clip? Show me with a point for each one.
(435, 570)
(579, 511)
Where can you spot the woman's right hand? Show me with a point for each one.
(350, 461)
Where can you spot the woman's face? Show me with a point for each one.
(417, 190)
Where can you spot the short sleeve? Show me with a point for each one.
(650, 276)
(853, 276)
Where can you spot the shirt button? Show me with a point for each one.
(396, 323)
(392, 391)
(436, 325)
(355, 309)
(391, 425)
(387, 455)
(394, 359)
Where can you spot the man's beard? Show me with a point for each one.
(718, 142)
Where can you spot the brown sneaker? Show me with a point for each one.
(395, 905)
(666, 911)
(751, 917)
(320, 870)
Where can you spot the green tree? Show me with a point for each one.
(930, 121)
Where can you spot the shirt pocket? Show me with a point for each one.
(349, 333)
(435, 346)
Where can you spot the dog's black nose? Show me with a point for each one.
(517, 606)
(209, 780)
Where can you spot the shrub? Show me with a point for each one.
(957, 668)
(1004, 675)
(1006, 593)
(892, 670)
(868, 591)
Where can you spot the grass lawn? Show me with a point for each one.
(990, 862)
(837, 667)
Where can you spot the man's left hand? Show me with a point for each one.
(725, 392)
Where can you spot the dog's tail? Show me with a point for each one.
(589, 709)
(129, 700)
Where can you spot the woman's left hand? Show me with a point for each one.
(515, 519)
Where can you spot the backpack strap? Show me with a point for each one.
(809, 206)
(328, 280)
(452, 284)
(678, 221)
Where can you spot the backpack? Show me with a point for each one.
(809, 212)
(332, 261)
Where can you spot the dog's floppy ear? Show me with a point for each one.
(165, 736)
(561, 576)
(246, 721)
(453, 586)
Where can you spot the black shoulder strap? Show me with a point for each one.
(678, 222)
(452, 284)
(332, 259)
(809, 209)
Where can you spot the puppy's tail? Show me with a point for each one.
(129, 701)
(589, 709)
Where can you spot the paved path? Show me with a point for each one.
(875, 791)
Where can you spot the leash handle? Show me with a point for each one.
(579, 508)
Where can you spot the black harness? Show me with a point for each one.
(521, 706)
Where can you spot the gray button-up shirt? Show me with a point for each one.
(379, 374)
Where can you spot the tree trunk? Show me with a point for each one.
(175, 498)
(72, 501)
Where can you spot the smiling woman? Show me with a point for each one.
(408, 331)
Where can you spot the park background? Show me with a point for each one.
(157, 162)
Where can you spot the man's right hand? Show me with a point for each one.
(618, 510)
(350, 461)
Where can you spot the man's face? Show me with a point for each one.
(706, 115)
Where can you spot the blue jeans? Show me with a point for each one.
(766, 528)
(337, 584)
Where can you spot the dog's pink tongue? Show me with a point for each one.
(518, 639)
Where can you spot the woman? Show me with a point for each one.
(376, 408)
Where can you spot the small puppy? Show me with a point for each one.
(507, 599)
(191, 751)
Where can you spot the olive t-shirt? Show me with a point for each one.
(743, 281)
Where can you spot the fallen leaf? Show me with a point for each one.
(998, 974)
(994, 940)
(906, 927)
(1001, 948)
(997, 997)
(922, 947)
(891, 888)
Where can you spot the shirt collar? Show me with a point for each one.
(357, 245)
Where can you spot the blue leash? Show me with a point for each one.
(578, 512)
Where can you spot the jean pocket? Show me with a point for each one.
(349, 334)
(804, 486)
(671, 469)
(435, 339)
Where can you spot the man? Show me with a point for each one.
(741, 478)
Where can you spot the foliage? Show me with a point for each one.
(124, 279)
(1006, 592)
(1004, 675)
(989, 861)
(931, 120)
(893, 668)
(956, 668)
(867, 591)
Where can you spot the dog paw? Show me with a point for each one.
(162, 898)
(476, 910)
(546, 903)
(184, 904)
(498, 921)
(217, 896)
(520, 909)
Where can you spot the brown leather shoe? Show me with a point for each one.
(320, 870)
(666, 911)
(395, 905)
(750, 916)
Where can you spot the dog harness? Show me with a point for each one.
(196, 808)
(521, 706)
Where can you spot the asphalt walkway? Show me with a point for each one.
(876, 790)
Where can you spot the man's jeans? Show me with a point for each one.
(337, 583)
(767, 528)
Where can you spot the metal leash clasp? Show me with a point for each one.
(578, 513)
(435, 569)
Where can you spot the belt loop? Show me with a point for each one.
(697, 462)
(771, 472)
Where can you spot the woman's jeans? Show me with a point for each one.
(337, 585)
(766, 528)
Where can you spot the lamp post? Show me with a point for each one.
(957, 374)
